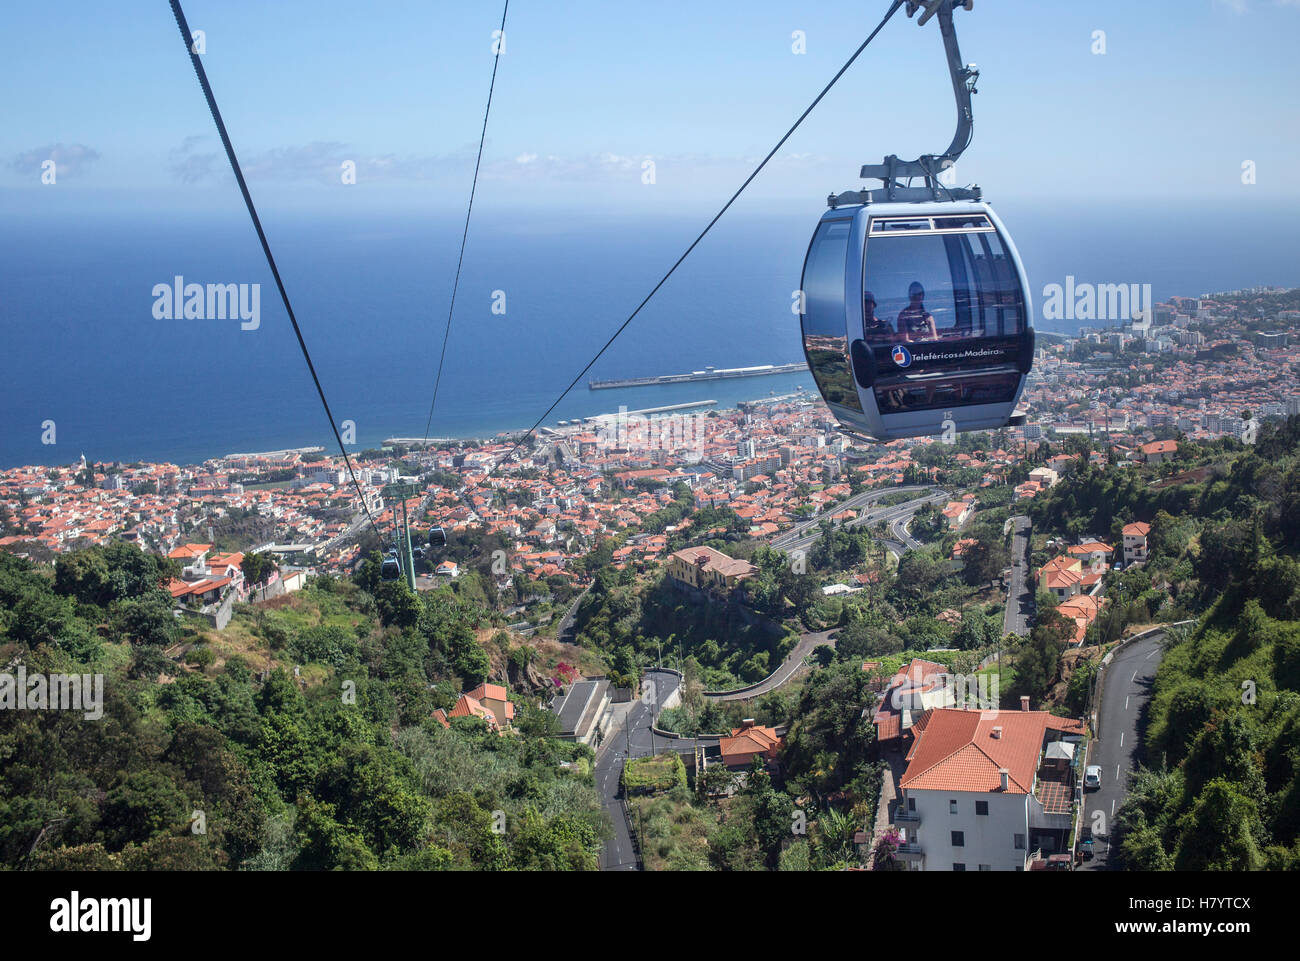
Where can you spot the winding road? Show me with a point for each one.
(1117, 748)
(1020, 596)
(793, 662)
(636, 736)
(804, 535)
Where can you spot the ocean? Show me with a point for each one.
(84, 349)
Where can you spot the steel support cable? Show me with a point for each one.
(893, 8)
(187, 38)
(496, 60)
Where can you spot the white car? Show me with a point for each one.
(1092, 777)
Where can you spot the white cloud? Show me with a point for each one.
(1241, 6)
(320, 162)
(189, 165)
(69, 159)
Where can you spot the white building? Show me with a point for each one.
(986, 790)
(1045, 476)
(1135, 543)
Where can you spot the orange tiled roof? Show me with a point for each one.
(470, 707)
(957, 750)
(1061, 579)
(755, 739)
(716, 561)
(1091, 547)
(494, 692)
(1062, 563)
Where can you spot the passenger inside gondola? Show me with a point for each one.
(914, 321)
(875, 330)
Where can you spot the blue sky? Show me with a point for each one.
(1185, 93)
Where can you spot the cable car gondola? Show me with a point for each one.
(437, 538)
(390, 569)
(916, 318)
(916, 310)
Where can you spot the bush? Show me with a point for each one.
(327, 645)
(201, 656)
(650, 775)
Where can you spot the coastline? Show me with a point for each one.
(272, 443)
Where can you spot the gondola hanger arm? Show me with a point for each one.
(929, 166)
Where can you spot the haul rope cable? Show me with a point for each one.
(266, 247)
(893, 8)
(501, 40)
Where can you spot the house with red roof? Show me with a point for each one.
(206, 579)
(957, 512)
(1062, 576)
(959, 548)
(206, 591)
(496, 699)
(1030, 489)
(750, 741)
(987, 790)
(705, 568)
(467, 706)
(1092, 554)
(1135, 542)
(919, 687)
(1083, 611)
(1159, 451)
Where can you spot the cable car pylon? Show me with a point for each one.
(403, 490)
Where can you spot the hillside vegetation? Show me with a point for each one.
(236, 763)
(1221, 786)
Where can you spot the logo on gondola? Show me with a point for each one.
(902, 356)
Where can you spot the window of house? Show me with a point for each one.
(958, 866)
(981, 807)
(958, 839)
(952, 806)
(1020, 842)
(986, 867)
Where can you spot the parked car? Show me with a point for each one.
(1092, 777)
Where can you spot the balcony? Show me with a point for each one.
(910, 852)
(902, 816)
(1042, 820)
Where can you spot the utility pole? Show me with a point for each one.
(652, 724)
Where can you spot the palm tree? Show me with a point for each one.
(837, 829)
